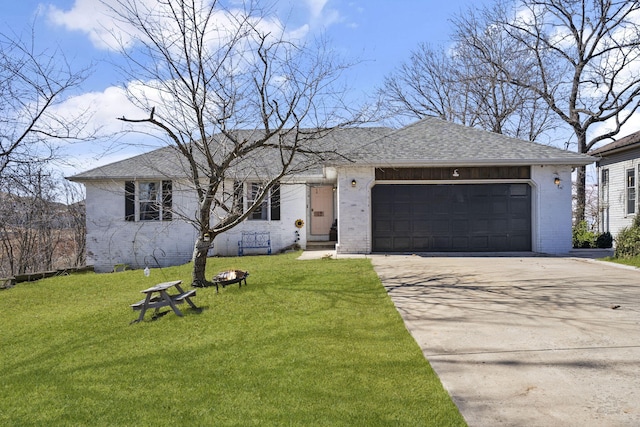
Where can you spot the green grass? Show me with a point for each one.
(306, 343)
(634, 261)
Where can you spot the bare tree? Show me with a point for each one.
(32, 84)
(454, 84)
(427, 85)
(233, 96)
(75, 213)
(582, 61)
(30, 229)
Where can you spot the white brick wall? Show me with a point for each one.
(111, 240)
(551, 209)
(283, 232)
(354, 210)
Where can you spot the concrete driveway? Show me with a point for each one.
(525, 341)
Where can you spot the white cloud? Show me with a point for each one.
(92, 18)
(632, 125)
(115, 138)
(96, 19)
(321, 15)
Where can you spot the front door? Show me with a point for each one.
(321, 209)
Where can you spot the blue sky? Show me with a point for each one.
(379, 34)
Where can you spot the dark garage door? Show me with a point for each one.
(451, 217)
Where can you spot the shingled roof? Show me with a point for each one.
(627, 143)
(432, 141)
(168, 162)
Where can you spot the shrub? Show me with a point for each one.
(628, 242)
(604, 240)
(582, 236)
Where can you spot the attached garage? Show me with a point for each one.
(451, 217)
(437, 186)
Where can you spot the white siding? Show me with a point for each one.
(617, 203)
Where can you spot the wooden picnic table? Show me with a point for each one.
(158, 296)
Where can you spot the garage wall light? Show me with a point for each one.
(557, 181)
(353, 182)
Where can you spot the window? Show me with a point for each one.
(269, 209)
(148, 201)
(604, 199)
(631, 191)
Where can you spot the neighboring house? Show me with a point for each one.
(618, 166)
(433, 186)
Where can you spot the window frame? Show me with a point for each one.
(630, 191)
(156, 208)
(269, 209)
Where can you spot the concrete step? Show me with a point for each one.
(320, 245)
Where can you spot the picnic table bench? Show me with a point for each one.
(254, 240)
(158, 297)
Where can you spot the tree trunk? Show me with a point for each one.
(581, 179)
(203, 242)
(200, 250)
(581, 200)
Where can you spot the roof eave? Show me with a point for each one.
(605, 153)
(77, 178)
(473, 162)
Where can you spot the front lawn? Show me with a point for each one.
(633, 261)
(306, 343)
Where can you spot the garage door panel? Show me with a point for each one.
(383, 243)
(480, 225)
(403, 210)
(422, 227)
(460, 226)
(521, 241)
(520, 207)
(519, 224)
(402, 243)
(402, 226)
(441, 208)
(421, 244)
(460, 243)
(480, 242)
(448, 217)
(382, 226)
(441, 227)
(498, 243)
(499, 207)
(385, 209)
(519, 190)
(499, 224)
(441, 243)
(404, 193)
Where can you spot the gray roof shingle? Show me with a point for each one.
(168, 162)
(432, 141)
(626, 143)
(428, 142)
